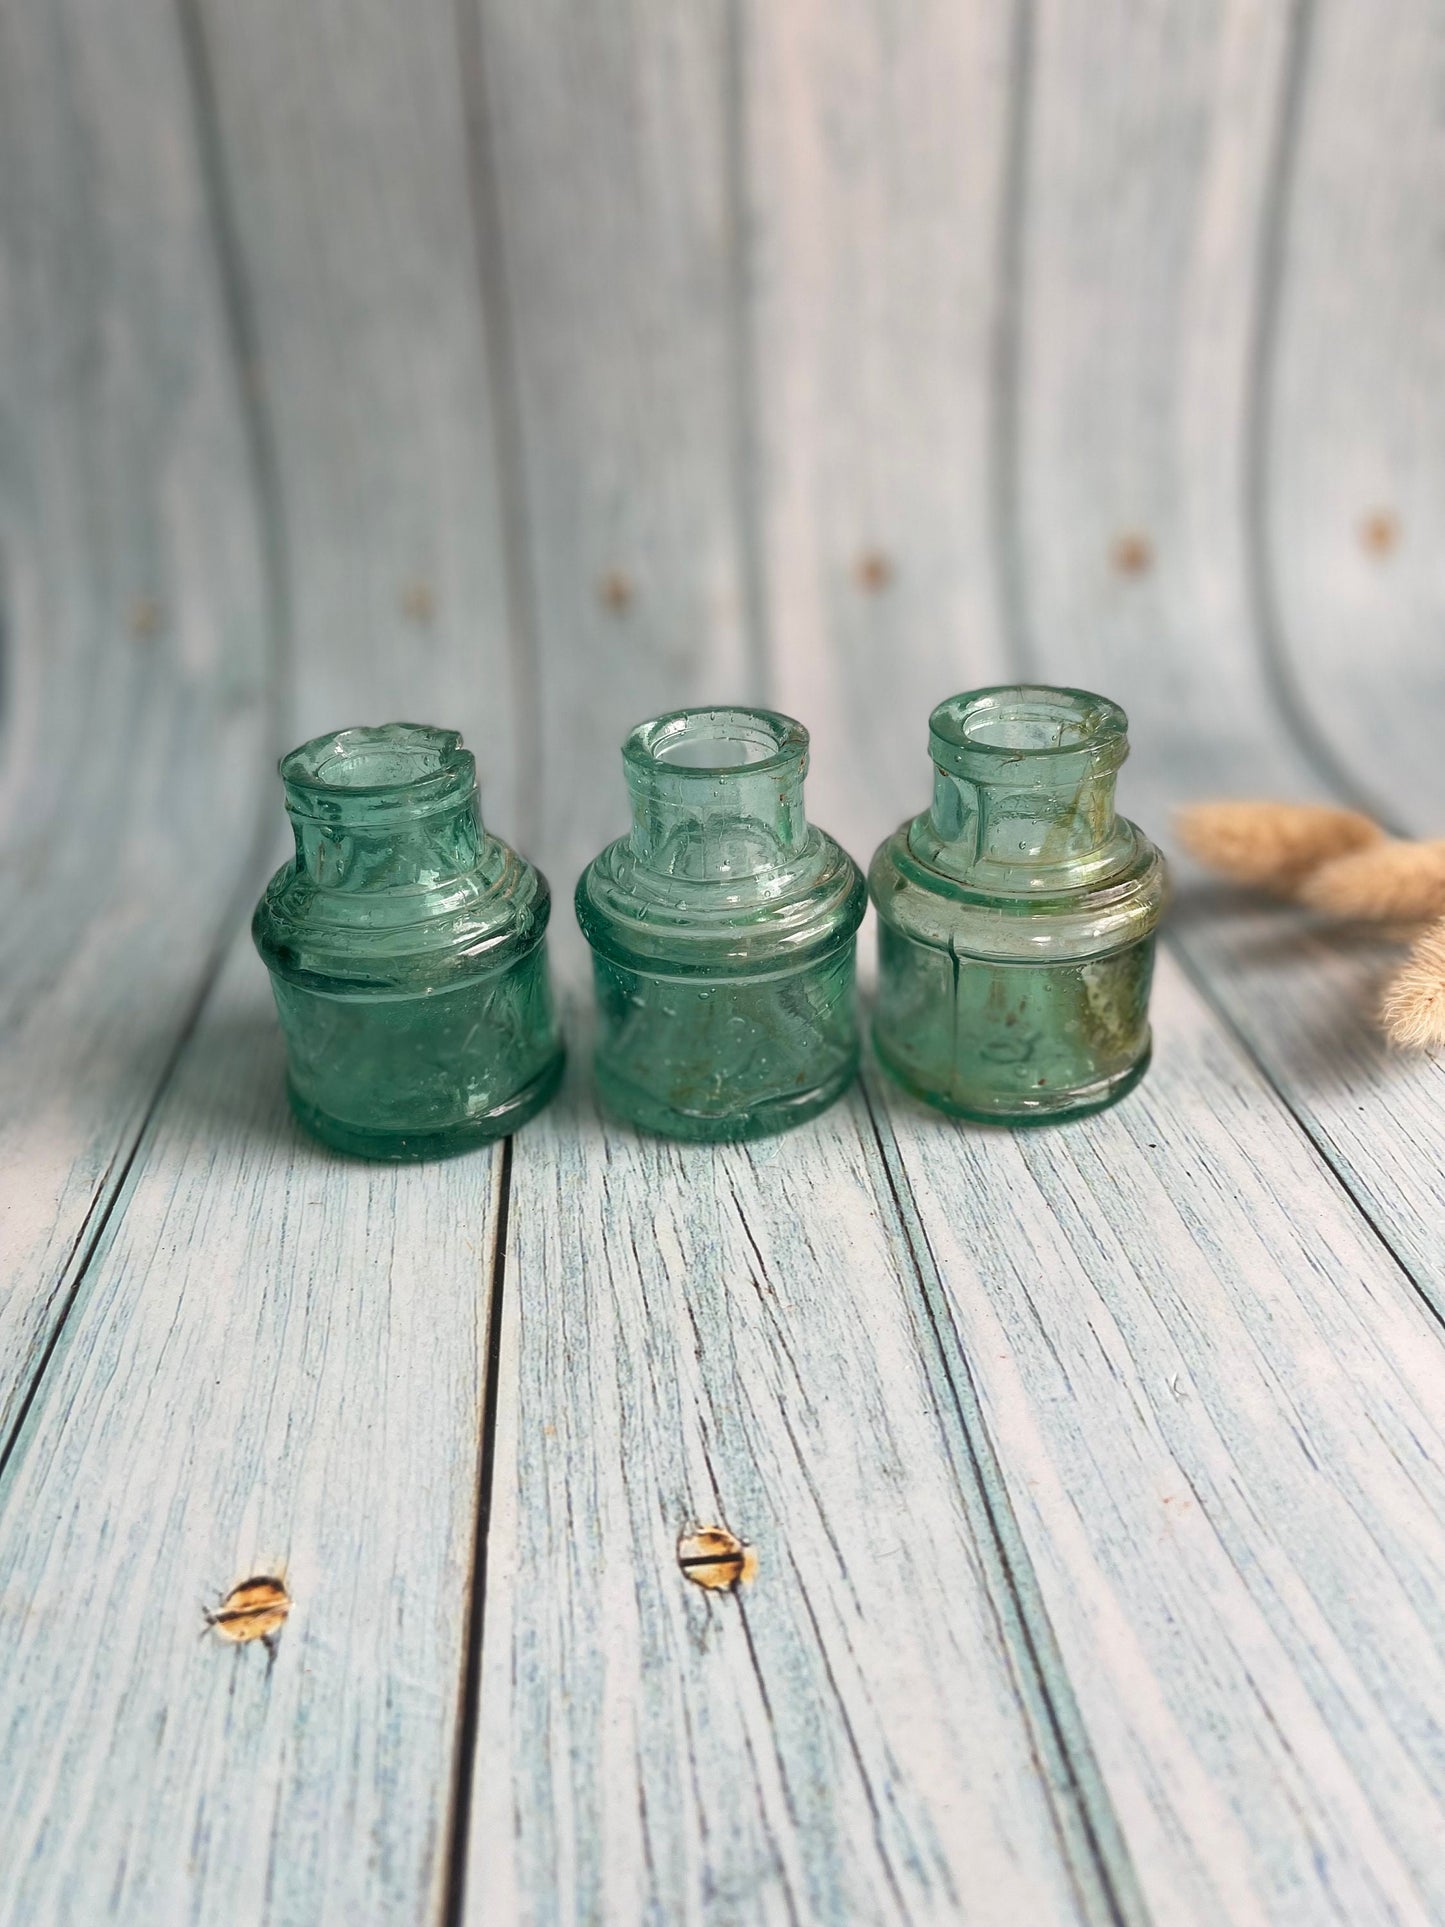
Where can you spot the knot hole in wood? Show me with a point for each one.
(255, 1609)
(713, 1557)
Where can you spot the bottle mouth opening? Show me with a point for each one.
(1026, 720)
(410, 759)
(712, 742)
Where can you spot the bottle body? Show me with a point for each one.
(723, 934)
(713, 1057)
(407, 951)
(421, 1075)
(1017, 916)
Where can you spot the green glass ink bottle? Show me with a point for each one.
(723, 931)
(407, 951)
(1016, 917)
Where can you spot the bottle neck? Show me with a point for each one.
(389, 855)
(717, 794)
(1023, 790)
(386, 809)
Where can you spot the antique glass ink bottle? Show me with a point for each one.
(406, 950)
(1016, 917)
(723, 931)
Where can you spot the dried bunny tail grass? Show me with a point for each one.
(1274, 844)
(1388, 881)
(1413, 1012)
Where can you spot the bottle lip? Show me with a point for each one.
(663, 747)
(985, 730)
(412, 765)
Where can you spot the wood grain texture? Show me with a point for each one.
(610, 446)
(608, 130)
(136, 624)
(1216, 1401)
(1145, 356)
(276, 1356)
(343, 139)
(275, 1367)
(1144, 202)
(689, 1339)
(1350, 502)
(876, 145)
(1126, 560)
(1130, 564)
(1352, 492)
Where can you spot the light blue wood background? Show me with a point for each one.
(530, 366)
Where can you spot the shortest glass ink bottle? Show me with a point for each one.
(723, 931)
(406, 951)
(1016, 917)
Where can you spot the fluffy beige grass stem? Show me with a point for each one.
(1413, 1012)
(1387, 883)
(1272, 845)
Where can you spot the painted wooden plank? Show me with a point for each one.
(136, 623)
(1351, 493)
(622, 151)
(1243, 52)
(1174, 1318)
(1348, 500)
(876, 143)
(608, 131)
(702, 1336)
(344, 143)
(1216, 1400)
(276, 1357)
(276, 1367)
(1146, 561)
(1144, 201)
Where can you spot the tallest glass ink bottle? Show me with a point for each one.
(1016, 916)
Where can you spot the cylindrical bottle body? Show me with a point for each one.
(415, 1075)
(406, 948)
(719, 1058)
(1012, 1042)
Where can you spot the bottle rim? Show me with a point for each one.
(663, 746)
(331, 763)
(987, 730)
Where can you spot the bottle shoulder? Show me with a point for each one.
(721, 926)
(431, 936)
(1025, 925)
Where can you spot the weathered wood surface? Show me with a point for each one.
(1352, 423)
(340, 132)
(276, 1365)
(687, 1339)
(134, 626)
(605, 131)
(1219, 1442)
(1225, 693)
(534, 368)
(875, 347)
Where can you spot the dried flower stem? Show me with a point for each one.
(1272, 845)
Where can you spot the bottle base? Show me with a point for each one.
(1015, 1109)
(420, 1147)
(766, 1118)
